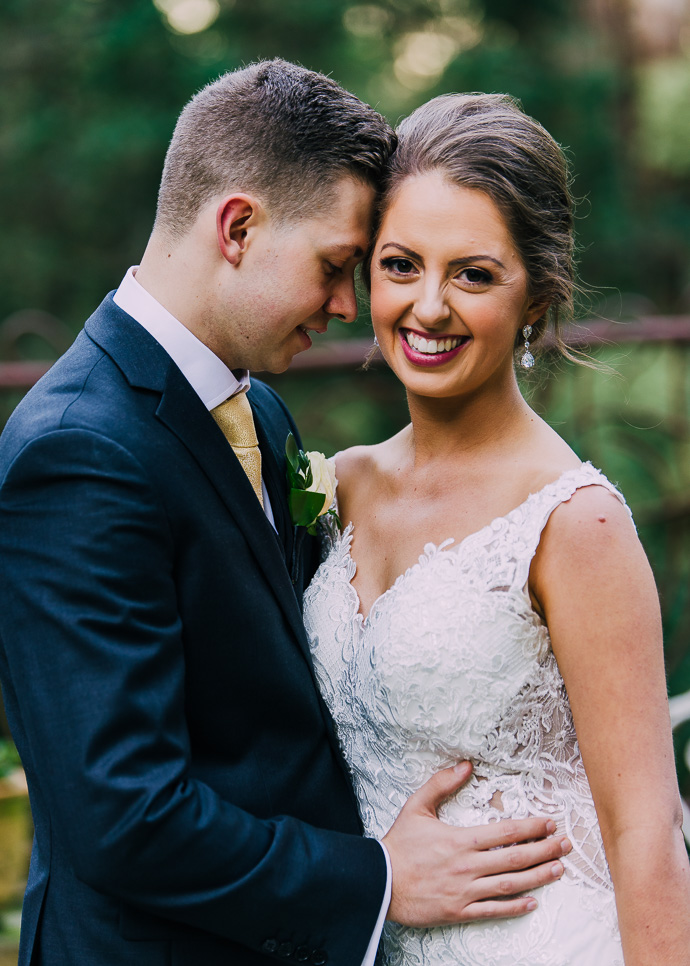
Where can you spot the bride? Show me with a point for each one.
(488, 598)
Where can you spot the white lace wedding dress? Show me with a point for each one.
(452, 663)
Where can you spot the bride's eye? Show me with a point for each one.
(397, 265)
(476, 276)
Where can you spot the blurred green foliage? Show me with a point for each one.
(9, 759)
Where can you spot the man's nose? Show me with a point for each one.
(342, 303)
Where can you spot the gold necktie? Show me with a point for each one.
(236, 421)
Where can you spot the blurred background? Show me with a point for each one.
(89, 94)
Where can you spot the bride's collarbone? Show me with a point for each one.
(390, 535)
(418, 519)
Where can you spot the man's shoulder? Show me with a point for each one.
(43, 407)
(86, 388)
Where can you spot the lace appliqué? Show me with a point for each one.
(453, 662)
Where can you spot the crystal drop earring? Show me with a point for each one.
(527, 359)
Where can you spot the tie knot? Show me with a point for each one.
(235, 419)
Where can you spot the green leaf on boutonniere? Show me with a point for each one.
(299, 471)
(292, 454)
(305, 506)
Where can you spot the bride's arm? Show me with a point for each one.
(594, 585)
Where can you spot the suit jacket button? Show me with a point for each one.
(269, 946)
(286, 950)
(302, 954)
(319, 958)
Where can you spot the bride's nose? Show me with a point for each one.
(430, 307)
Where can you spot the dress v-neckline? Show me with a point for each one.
(432, 550)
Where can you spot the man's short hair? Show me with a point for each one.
(274, 129)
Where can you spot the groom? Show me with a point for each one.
(190, 803)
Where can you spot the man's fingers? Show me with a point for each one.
(438, 788)
(497, 886)
(518, 857)
(499, 909)
(511, 831)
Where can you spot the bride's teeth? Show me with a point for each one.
(431, 346)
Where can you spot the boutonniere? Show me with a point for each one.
(311, 486)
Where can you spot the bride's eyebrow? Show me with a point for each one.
(401, 248)
(468, 260)
(477, 258)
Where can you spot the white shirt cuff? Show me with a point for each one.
(370, 955)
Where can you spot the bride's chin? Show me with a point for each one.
(425, 382)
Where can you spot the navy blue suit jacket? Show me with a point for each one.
(189, 799)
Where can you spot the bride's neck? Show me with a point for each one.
(460, 427)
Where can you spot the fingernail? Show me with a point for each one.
(566, 846)
(550, 826)
(557, 870)
(460, 769)
(532, 905)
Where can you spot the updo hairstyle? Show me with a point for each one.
(486, 142)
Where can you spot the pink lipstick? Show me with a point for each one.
(430, 359)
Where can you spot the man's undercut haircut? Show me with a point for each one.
(275, 130)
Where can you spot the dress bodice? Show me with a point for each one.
(453, 662)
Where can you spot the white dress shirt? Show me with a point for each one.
(213, 383)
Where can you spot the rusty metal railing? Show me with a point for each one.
(16, 373)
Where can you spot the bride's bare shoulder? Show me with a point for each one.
(361, 466)
(354, 464)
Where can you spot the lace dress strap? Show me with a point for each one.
(539, 507)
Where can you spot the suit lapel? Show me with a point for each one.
(146, 365)
(273, 468)
(184, 414)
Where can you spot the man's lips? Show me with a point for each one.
(425, 351)
(305, 331)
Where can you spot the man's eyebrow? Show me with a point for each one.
(468, 260)
(348, 251)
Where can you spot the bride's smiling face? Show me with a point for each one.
(449, 291)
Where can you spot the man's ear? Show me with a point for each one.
(236, 215)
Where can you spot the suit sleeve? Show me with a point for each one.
(93, 644)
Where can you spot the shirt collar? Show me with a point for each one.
(210, 378)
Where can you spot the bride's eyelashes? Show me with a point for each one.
(400, 267)
(476, 276)
(396, 265)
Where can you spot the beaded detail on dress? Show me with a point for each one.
(452, 662)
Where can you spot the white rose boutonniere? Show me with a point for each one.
(311, 485)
